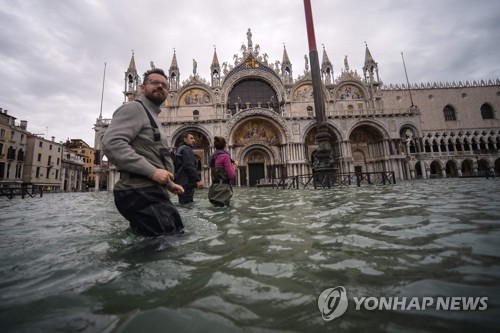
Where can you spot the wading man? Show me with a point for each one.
(134, 142)
(187, 174)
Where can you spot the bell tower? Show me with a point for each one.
(215, 70)
(326, 68)
(132, 81)
(173, 73)
(286, 68)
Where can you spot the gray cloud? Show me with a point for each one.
(52, 52)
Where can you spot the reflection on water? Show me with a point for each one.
(68, 263)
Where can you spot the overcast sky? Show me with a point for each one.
(52, 52)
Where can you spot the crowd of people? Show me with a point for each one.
(136, 144)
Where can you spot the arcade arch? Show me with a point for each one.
(367, 146)
(257, 143)
(201, 146)
(311, 146)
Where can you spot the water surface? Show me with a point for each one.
(68, 263)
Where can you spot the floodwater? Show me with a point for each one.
(68, 263)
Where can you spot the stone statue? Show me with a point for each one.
(195, 65)
(249, 38)
(265, 58)
(307, 63)
(346, 64)
(257, 50)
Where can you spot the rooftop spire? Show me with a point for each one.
(215, 60)
(368, 57)
(286, 60)
(326, 68)
(173, 65)
(326, 60)
(370, 68)
(131, 66)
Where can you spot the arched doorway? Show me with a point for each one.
(418, 170)
(256, 162)
(367, 145)
(257, 144)
(359, 161)
(467, 168)
(451, 169)
(435, 170)
(483, 167)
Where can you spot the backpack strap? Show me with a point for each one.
(177, 161)
(156, 130)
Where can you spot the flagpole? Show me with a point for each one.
(323, 166)
(102, 93)
(407, 81)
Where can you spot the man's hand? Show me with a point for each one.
(199, 184)
(162, 177)
(175, 188)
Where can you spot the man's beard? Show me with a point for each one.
(156, 99)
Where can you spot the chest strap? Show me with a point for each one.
(156, 130)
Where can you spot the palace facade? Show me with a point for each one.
(267, 116)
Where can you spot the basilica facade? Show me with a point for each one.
(267, 115)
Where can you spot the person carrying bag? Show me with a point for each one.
(223, 170)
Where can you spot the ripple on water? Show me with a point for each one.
(67, 262)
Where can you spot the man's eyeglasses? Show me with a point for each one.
(158, 83)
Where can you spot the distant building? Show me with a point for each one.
(12, 149)
(72, 170)
(267, 116)
(43, 163)
(81, 148)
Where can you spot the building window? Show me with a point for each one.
(39, 157)
(37, 172)
(449, 113)
(196, 115)
(40, 144)
(2, 133)
(310, 111)
(50, 147)
(486, 111)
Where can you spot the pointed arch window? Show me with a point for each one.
(449, 113)
(486, 111)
